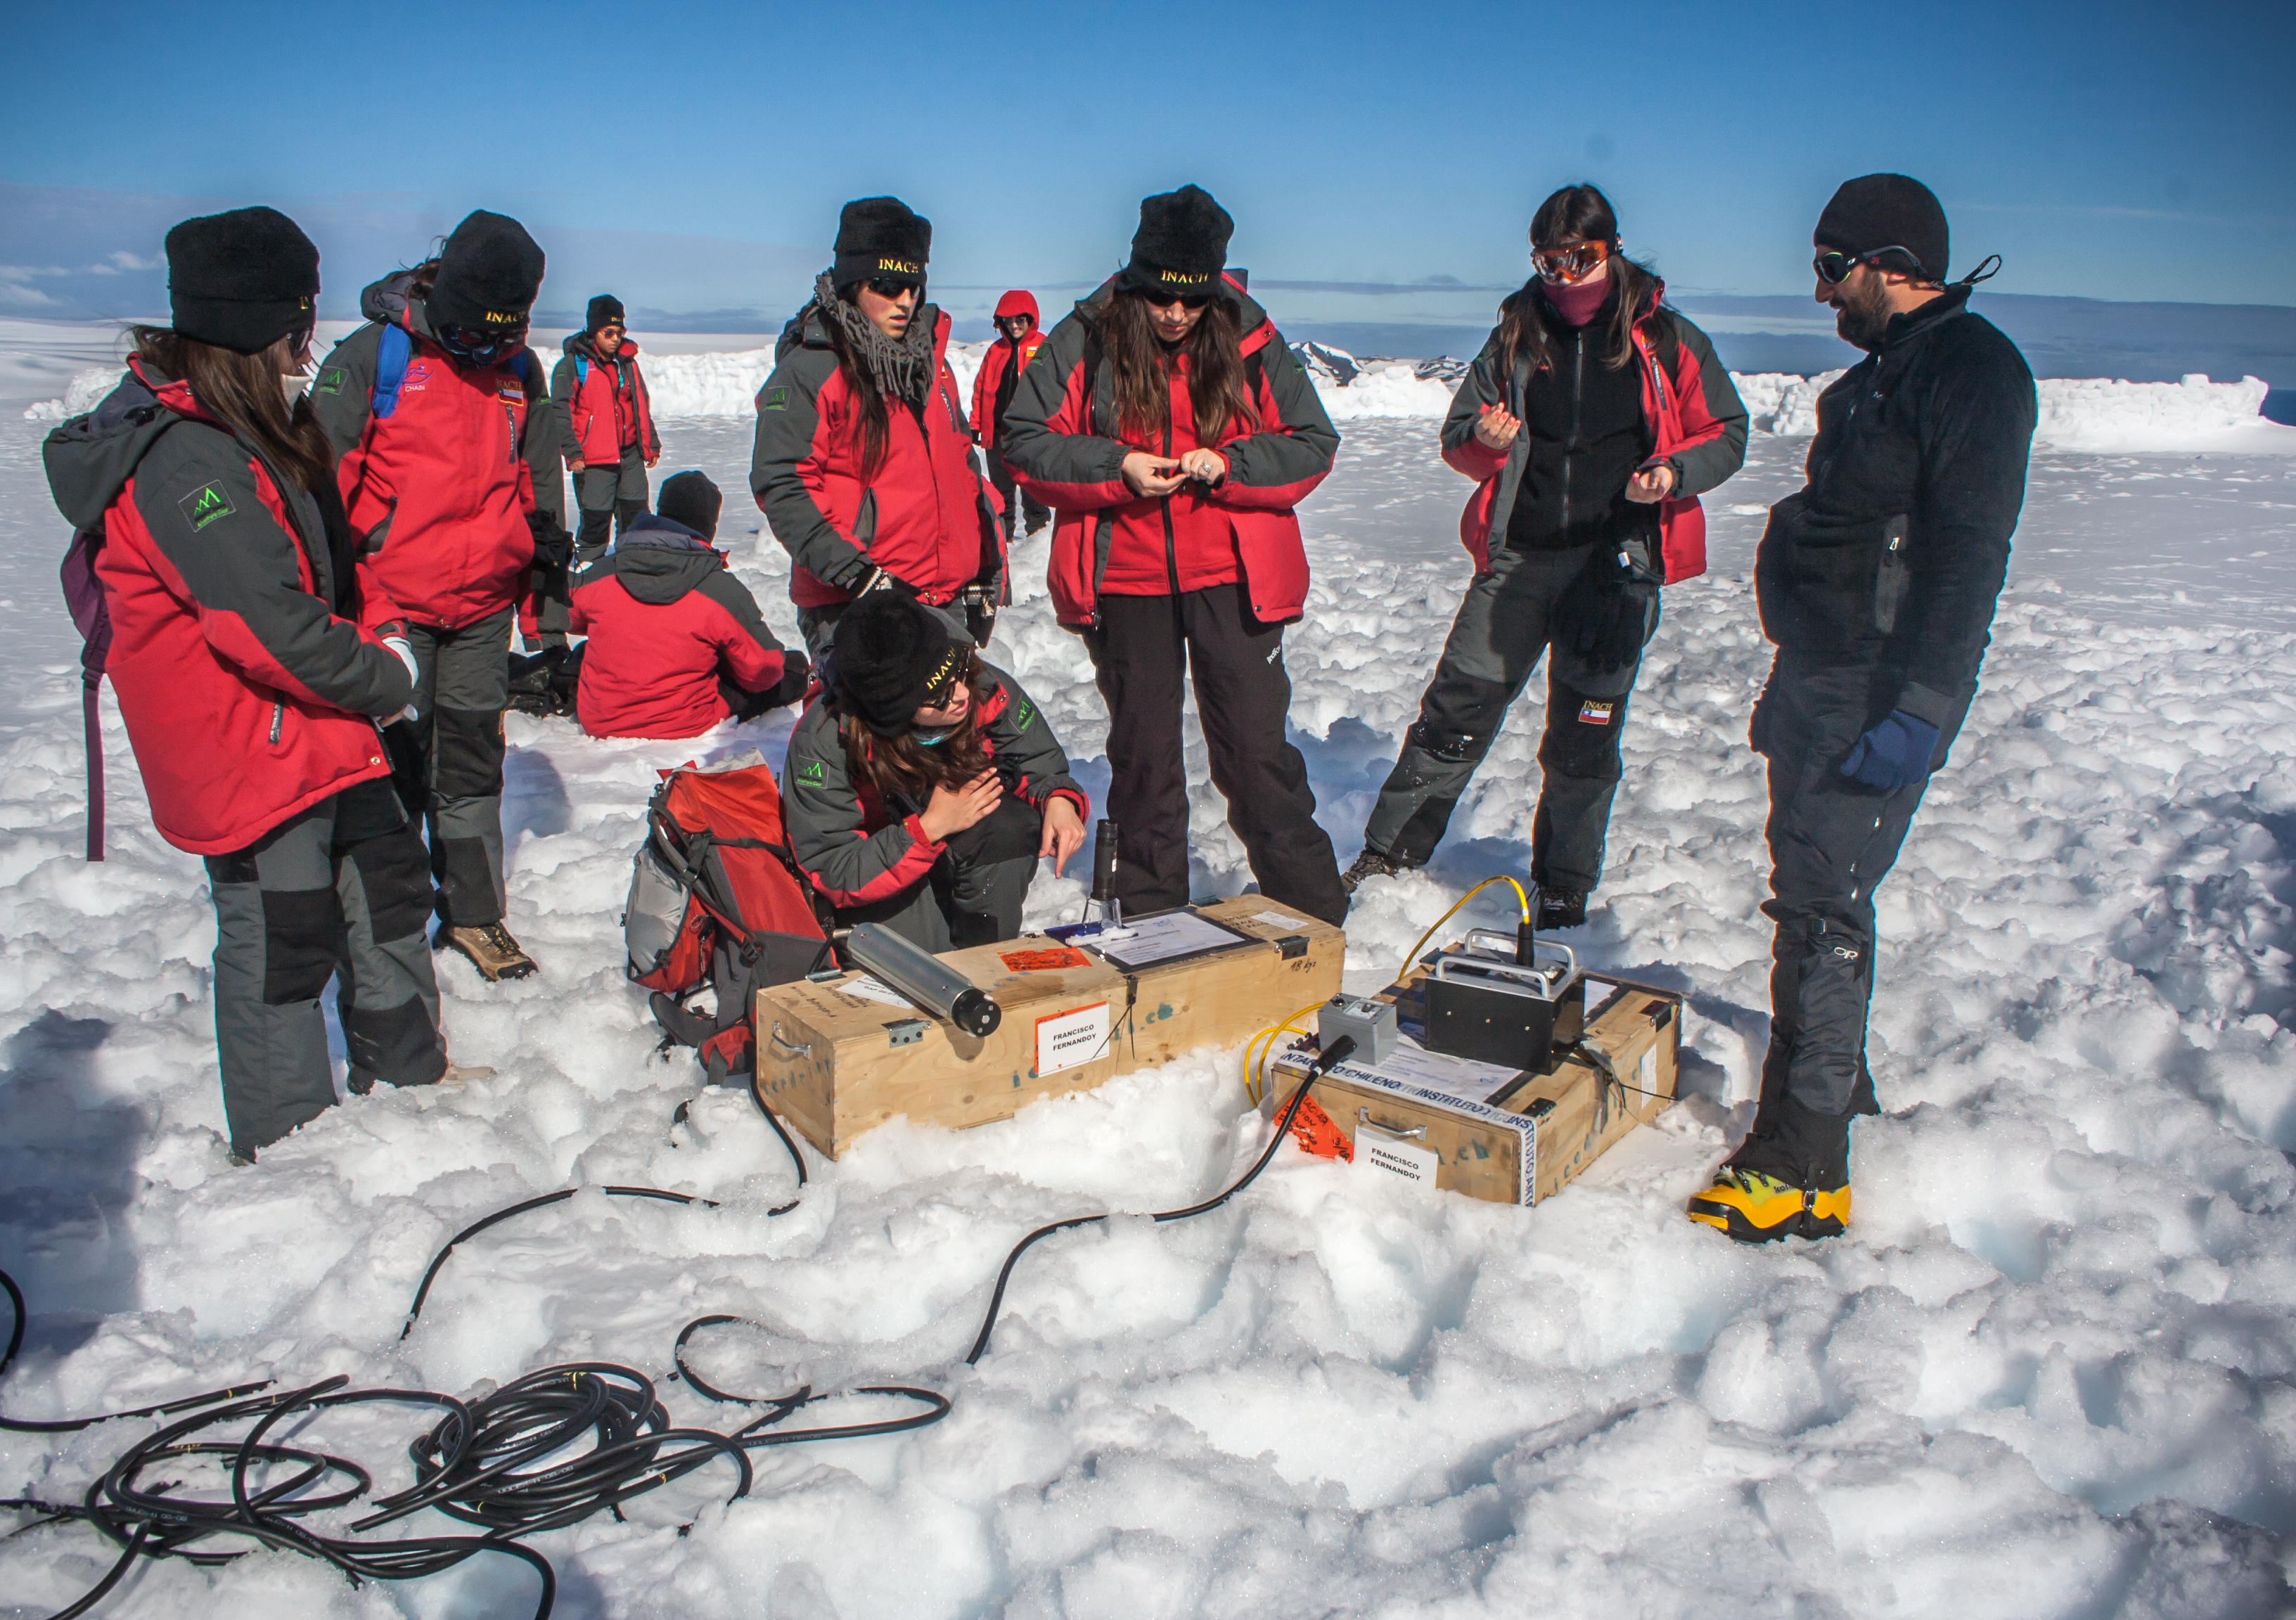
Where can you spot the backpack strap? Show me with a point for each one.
(581, 372)
(390, 357)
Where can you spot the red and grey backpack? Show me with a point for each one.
(716, 902)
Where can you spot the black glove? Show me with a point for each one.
(553, 547)
(1605, 615)
(796, 675)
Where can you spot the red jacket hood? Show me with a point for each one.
(1018, 303)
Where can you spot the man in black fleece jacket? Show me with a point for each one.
(1877, 583)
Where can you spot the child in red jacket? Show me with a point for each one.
(676, 643)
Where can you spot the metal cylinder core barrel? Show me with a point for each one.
(923, 977)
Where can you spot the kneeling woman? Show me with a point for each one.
(923, 791)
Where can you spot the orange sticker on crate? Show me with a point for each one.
(1045, 961)
(1313, 1130)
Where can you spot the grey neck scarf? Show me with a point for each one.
(900, 367)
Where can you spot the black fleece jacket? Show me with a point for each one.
(1895, 551)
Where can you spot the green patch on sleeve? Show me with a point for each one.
(810, 770)
(331, 380)
(775, 399)
(204, 506)
(1024, 715)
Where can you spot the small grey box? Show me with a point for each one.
(1371, 1022)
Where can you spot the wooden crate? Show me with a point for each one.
(1541, 1131)
(834, 1066)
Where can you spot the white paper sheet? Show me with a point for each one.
(868, 988)
(1161, 939)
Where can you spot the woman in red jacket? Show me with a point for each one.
(1591, 422)
(248, 688)
(1171, 433)
(863, 463)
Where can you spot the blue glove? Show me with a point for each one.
(1895, 754)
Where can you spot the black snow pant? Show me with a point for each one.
(1501, 629)
(1143, 649)
(1018, 504)
(338, 891)
(1833, 839)
(606, 498)
(973, 894)
(461, 687)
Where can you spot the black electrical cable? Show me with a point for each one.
(660, 1195)
(71, 1425)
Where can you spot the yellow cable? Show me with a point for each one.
(1411, 955)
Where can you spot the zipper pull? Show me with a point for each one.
(278, 719)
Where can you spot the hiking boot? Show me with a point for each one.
(490, 948)
(1562, 908)
(463, 1074)
(1755, 1207)
(1368, 865)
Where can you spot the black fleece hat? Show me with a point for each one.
(691, 499)
(1877, 211)
(889, 652)
(1181, 246)
(488, 276)
(881, 236)
(242, 281)
(604, 309)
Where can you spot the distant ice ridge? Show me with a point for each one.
(2097, 416)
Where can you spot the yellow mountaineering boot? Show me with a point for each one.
(1755, 1207)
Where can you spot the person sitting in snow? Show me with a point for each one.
(1877, 584)
(676, 643)
(922, 791)
(249, 686)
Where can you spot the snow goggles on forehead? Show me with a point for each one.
(1574, 263)
(1833, 265)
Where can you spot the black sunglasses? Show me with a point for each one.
(1833, 265)
(886, 287)
(1186, 300)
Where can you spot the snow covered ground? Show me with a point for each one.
(2051, 1372)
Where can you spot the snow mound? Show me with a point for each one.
(2090, 413)
(84, 392)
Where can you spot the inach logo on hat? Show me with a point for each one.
(775, 399)
(204, 506)
(1181, 278)
(496, 317)
(810, 770)
(1591, 713)
(899, 266)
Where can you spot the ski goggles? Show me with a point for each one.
(1574, 263)
(1833, 265)
(480, 349)
(890, 287)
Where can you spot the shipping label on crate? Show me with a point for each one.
(1070, 1040)
(1408, 1159)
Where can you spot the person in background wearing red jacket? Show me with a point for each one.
(1016, 345)
(439, 477)
(863, 463)
(676, 643)
(1169, 427)
(605, 428)
(1592, 421)
(250, 689)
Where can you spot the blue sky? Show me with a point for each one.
(696, 154)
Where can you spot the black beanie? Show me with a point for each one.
(881, 236)
(691, 499)
(1877, 211)
(242, 281)
(889, 652)
(604, 309)
(1181, 246)
(488, 276)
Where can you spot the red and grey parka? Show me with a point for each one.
(666, 620)
(441, 489)
(603, 409)
(246, 683)
(1005, 358)
(854, 847)
(1065, 444)
(1697, 423)
(925, 515)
